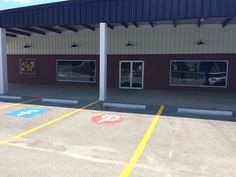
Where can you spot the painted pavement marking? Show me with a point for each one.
(138, 152)
(47, 123)
(28, 112)
(107, 119)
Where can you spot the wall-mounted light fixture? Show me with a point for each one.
(26, 46)
(129, 44)
(74, 45)
(202, 20)
(201, 42)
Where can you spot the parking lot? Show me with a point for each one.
(88, 140)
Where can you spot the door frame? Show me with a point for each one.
(131, 69)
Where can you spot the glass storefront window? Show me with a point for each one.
(199, 73)
(76, 70)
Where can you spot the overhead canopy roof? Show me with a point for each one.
(77, 14)
(87, 12)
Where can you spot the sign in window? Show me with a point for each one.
(199, 73)
(76, 71)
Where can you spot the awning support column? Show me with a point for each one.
(3, 62)
(103, 62)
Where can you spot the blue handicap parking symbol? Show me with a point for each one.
(28, 112)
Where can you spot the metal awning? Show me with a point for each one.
(88, 12)
(29, 31)
(76, 14)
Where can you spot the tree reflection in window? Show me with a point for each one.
(76, 71)
(199, 73)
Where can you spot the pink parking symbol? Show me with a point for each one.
(107, 119)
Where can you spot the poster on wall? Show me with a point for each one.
(27, 66)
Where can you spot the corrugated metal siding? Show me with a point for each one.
(114, 11)
(88, 42)
(163, 39)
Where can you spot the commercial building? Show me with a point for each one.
(126, 44)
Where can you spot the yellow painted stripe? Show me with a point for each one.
(129, 167)
(16, 104)
(47, 123)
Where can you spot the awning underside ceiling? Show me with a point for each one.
(44, 30)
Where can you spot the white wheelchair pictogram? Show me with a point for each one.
(23, 113)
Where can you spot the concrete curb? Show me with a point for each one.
(124, 106)
(205, 112)
(10, 97)
(60, 101)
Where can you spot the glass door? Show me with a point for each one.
(137, 75)
(125, 74)
(131, 74)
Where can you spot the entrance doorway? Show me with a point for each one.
(131, 74)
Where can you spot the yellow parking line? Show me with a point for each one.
(129, 167)
(47, 123)
(16, 104)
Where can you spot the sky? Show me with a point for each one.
(9, 4)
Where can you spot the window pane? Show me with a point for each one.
(125, 74)
(137, 75)
(77, 71)
(199, 73)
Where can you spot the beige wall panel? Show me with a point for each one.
(162, 39)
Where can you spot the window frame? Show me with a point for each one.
(199, 86)
(58, 80)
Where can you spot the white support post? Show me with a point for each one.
(103, 62)
(3, 62)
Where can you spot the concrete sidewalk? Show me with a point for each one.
(205, 100)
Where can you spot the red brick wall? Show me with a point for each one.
(157, 70)
(156, 73)
(46, 69)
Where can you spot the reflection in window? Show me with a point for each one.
(76, 71)
(199, 73)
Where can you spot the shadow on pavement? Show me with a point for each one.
(169, 111)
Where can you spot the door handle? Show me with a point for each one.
(131, 75)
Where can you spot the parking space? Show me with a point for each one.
(66, 141)
(13, 125)
(81, 139)
(190, 146)
(17, 118)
